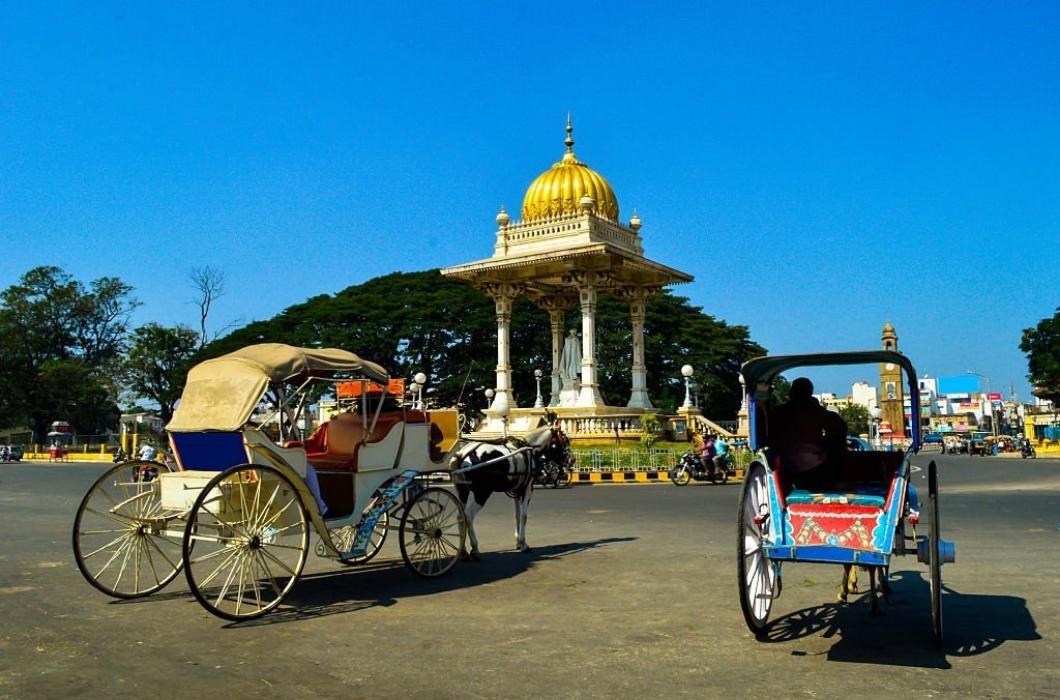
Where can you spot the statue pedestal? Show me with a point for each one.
(568, 395)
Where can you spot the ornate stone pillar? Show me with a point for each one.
(503, 294)
(588, 283)
(638, 301)
(556, 307)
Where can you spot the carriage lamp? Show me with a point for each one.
(538, 402)
(686, 372)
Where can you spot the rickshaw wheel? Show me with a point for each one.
(343, 541)
(246, 542)
(118, 537)
(934, 556)
(758, 577)
(432, 532)
(680, 475)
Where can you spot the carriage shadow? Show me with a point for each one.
(385, 583)
(901, 634)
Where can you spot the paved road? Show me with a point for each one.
(630, 592)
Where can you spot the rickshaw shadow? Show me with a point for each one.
(385, 582)
(901, 634)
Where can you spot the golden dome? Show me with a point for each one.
(562, 188)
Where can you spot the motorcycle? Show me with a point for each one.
(553, 474)
(119, 456)
(1027, 450)
(691, 467)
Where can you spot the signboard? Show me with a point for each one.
(994, 396)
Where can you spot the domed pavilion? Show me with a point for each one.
(570, 246)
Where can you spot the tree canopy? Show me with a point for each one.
(60, 344)
(158, 363)
(1041, 344)
(421, 321)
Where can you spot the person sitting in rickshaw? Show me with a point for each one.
(809, 439)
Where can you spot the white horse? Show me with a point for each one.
(508, 466)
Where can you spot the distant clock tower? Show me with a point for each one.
(892, 398)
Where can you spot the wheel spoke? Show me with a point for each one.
(276, 560)
(116, 517)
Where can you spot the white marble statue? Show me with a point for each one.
(570, 365)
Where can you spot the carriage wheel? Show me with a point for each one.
(343, 540)
(246, 542)
(680, 475)
(759, 578)
(119, 536)
(432, 532)
(934, 556)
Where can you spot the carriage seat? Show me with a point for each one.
(335, 444)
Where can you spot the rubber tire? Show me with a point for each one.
(680, 476)
(755, 623)
(934, 559)
(431, 492)
(188, 546)
(78, 558)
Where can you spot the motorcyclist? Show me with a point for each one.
(721, 456)
(708, 452)
(147, 452)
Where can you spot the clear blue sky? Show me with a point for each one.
(820, 169)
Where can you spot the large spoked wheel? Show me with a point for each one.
(432, 532)
(759, 578)
(246, 542)
(343, 540)
(934, 555)
(122, 543)
(680, 475)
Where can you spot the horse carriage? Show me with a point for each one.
(860, 522)
(237, 509)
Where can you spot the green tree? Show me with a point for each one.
(158, 362)
(1041, 344)
(60, 344)
(857, 418)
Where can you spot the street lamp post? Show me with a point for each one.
(874, 413)
(538, 402)
(989, 401)
(418, 381)
(686, 372)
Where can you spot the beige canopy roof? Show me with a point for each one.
(220, 394)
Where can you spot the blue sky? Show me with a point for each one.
(820, 168)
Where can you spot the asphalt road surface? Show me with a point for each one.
(630, 592)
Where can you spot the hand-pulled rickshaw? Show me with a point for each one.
(861, 522)
(236, 509)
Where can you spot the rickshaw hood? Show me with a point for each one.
(221, 393)
(765, 369)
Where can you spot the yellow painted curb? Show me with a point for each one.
(643, 476)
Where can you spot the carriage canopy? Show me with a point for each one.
(221, 393)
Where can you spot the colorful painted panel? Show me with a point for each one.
(833, 525)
